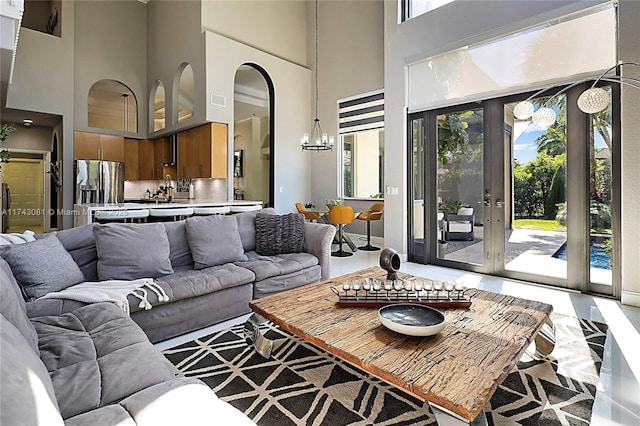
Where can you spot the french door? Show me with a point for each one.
(495, 194)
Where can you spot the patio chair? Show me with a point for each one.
(459, 226)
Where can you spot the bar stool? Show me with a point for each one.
(374, 213)
(341, 215)
(121, 215)
(250, 208)
(310, 216)
(211, 210)
(177, 213)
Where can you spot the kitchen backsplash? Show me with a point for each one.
(203, 189)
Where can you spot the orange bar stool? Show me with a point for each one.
(374, 213)
(310, 216)
(341, 215)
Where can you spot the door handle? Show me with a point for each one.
(487, 203)
(499, 203)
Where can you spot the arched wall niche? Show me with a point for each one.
(112, 105)
(158, 112)
(183, 93)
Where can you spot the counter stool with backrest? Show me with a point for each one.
(374, 213)
(121, 215)
(310, 216)
(211, 210)
(177, 213)
(240, 209)
(341, 215)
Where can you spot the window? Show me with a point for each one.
(413, 8)
(363, 162)
(362, 140)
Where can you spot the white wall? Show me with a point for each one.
(291, 109)
(112, 45)
(351, 62)
(276, 27)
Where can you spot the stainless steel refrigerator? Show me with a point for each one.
(99, 181)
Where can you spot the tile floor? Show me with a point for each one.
(617, 400)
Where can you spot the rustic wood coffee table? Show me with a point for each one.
(456, 371)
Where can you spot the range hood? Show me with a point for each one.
(174, 151)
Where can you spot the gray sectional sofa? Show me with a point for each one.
(199, 295)
(93, 366)
(66, 361)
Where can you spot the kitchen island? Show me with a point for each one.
(84, 213)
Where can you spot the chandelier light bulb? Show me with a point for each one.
(544, 117)
(523, 110)
(593, 100)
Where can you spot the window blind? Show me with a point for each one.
(361, 113)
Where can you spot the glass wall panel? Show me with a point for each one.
(460, 163)
(600, 196)
(417, 243)
(536, 214)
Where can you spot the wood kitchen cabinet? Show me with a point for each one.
(130, 159)
(96, 146)
(146, 159)
(202, 152)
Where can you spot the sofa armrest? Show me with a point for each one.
(318, 238)
(185, 401)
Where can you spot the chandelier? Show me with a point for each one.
(317, 140)
(591, 101)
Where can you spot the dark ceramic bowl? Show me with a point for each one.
(412, 319)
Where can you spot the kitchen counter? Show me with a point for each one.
(84, 212)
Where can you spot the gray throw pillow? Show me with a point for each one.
(214, 240)
(42, 266)
(132, 250)
(279, 234)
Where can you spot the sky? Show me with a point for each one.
(525, 134)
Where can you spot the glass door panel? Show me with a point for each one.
(535, 190)
(601, 236)
(417, 249)
(459, 187)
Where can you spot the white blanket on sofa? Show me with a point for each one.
(115, 291)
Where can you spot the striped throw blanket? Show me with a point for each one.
(114, 291)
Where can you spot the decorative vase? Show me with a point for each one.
(390, 262)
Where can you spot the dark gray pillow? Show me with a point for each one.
(42, 266)
(279, 234)
(81, 245)
(247, 227)
(214, 240)
(128, 251)
(180, 254)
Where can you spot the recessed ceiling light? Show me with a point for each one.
(27, 122)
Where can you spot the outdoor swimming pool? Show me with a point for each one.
(599, 257)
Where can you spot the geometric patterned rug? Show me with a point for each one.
(302, 385)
